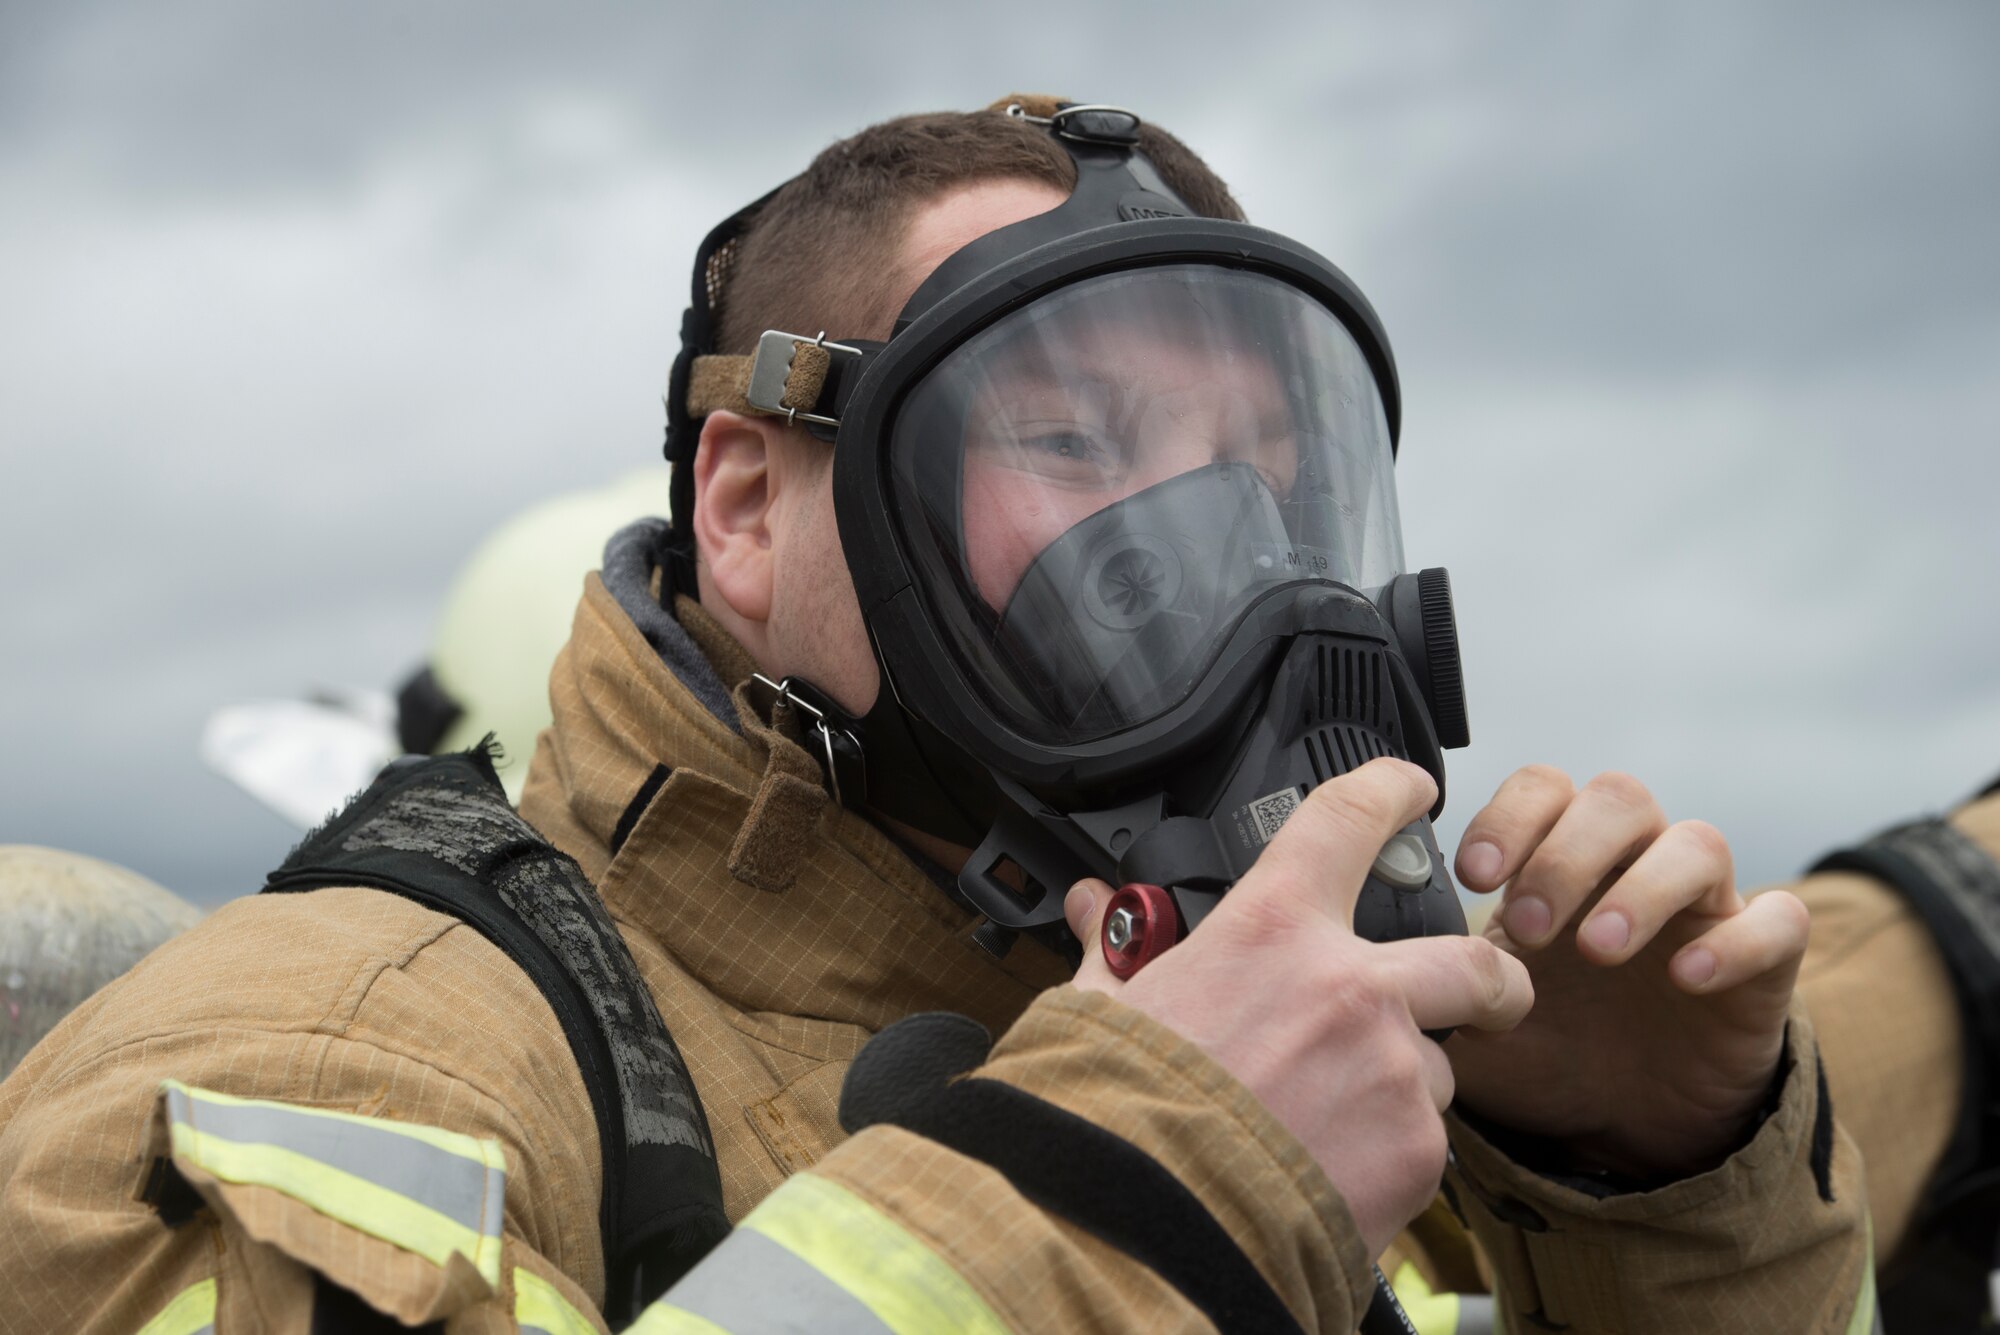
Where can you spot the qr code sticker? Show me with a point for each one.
(1272, 810)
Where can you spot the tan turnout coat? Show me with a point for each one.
(777, 933)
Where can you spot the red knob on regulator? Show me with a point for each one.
(1139, 924)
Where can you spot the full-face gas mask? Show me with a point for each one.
(1118, 500)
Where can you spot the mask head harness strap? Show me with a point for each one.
(712, 262)
(804, 378)
(1115, 183)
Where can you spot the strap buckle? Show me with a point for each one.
(1086, 122)
(817, 720)
(771, 373)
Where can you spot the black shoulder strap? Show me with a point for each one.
(1953, 885)
(439, 831)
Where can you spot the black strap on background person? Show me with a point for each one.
(1072, 1168)
(440, 832)
(1940, 1281)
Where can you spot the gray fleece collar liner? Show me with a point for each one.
(630, 558)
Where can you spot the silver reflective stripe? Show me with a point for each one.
(422, 1188)
(752, 1284)
(456, 1187)
(1475, 1314)
(493, 1204)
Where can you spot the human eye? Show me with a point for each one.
(1064, 453)
(1065, 445)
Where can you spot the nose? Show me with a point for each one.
(1171, 447)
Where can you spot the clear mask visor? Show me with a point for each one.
(1098, 486)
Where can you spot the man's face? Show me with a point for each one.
(816, 628)
(1048, 446)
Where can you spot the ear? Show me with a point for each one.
(733, 496)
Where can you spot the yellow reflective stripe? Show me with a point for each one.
(482, 1152)
(354, 1201)
(1431, 1313)
(192, 1310)
(1863, 1321)
(540, 1306)
(663, 1318)
(910, 1288)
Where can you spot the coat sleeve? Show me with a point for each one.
(1776, 1238)
(301, 1132)
(894, 1231)
(237, 1213)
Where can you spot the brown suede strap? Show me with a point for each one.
(1042, 105)
(718, 383)
(722, 383)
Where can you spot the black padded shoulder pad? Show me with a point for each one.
(1063, 1163)
(439, 831)
(1953, 885)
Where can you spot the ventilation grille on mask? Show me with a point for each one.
(1341, 748)
(1352, 687)
(1350, 700)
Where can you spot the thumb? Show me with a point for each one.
(1083, 909)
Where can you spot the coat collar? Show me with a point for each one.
(735, 859)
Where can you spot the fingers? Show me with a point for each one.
(1764, 943)
(1604, 827)
(1083, 910)
(1452, 982)
(1688, 867)
(1321, 856)
(1506, 830)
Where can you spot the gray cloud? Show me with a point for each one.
(1753, 193)
(1696, 308)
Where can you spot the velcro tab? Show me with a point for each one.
(409, 1217)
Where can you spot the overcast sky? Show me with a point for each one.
(1697, 308)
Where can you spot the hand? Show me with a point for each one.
(1323, 1027)
(1660, 994)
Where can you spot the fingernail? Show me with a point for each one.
(1695, 967)
(1606, 933)
(1527, 920)
(1480, 862)
(1079, 910)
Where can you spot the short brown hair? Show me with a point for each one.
(814, 257)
